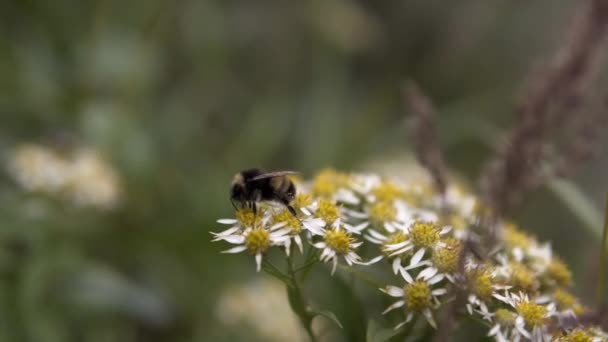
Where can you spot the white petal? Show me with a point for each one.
(394, 306)
(429, 317)
(258, 261)
(305, 211)
(320, 244)
(234, 250)
(376, 235)
(277, 226)
(406, 276)
(394, 246)
(227, 221)
(372, 261)
(298, 241)
(427, 273)
(417, 257)
(372, 239)
(226, 232)
(393, 291)
(334, 266)
(436, 279)
(445, 230)
(439, 292)
(396, 265)
(494, 330)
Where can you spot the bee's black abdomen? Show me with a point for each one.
(250, 173)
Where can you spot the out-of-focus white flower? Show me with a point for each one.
(81, 176)
(261, 305)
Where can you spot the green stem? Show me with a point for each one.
(297, 300)
(269, 268)
(600, 283)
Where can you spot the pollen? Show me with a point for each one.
(394, 238)
(505, 317)
(563, 299)
(327, 182)
(383, 212)
(533, 314)
(446, 258)
(338, 240)
(522, 277)
(247, 217)
(328, 211)
(481, 283)
(302, 200)
(578, 335)
(514, 237)
(417, 295)
(258, 241)
(387, 191)
(424, 234)
(291, 221)
(558, 271)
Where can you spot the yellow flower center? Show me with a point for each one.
(387, 192)
(505, 317)
(481, 283)
(328, 181)
(578, 335)
(446, 258)
(328, 211)
(392, 239)
(563, 299)
(559, 272)
(290, 220)
(522, 277)
(417, 295)
(302, 200)
(513, 237)
(424, 234)
(338, 240)
(383, 212)
(533, 314)
(247, 218)
(258, 241)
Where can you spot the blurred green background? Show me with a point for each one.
(180, 95)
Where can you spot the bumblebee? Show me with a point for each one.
(255, 185)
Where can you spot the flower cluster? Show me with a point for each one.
(520, 290)
(81, 175)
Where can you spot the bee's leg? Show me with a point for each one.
(291, 210)
(234, 205)
(255, 208)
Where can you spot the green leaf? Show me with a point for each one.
(329, 315)
(580, 205)
(375, 333)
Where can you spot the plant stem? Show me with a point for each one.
(297, 300)
(600, 283)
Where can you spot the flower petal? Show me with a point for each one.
(394, 306)
(227, 221)
(234, 250)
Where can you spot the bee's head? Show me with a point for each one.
(237, 188)
(291, 192)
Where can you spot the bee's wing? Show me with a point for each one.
(272, 175)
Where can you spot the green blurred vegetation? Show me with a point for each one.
(181, 95)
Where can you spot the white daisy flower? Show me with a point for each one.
(338, 242)
(417, 296)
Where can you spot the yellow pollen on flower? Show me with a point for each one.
(446, 258)
(247, 218)
(578, 335)
(522, 277)
(302, 200)
(328, 211)
(505, 317)
(387, 191)
(383, 212)
(258, 241)
(513, 237)
(392, 239)
(328, 181)
(417, 295)
(579, 309)
(481, 282)
(290, 220)
(563, 299)
(424, 234)
(338, 240)
(533, 314)
(559, 272)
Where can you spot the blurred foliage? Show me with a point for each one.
(181, 95)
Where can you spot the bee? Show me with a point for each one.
(255, 185)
